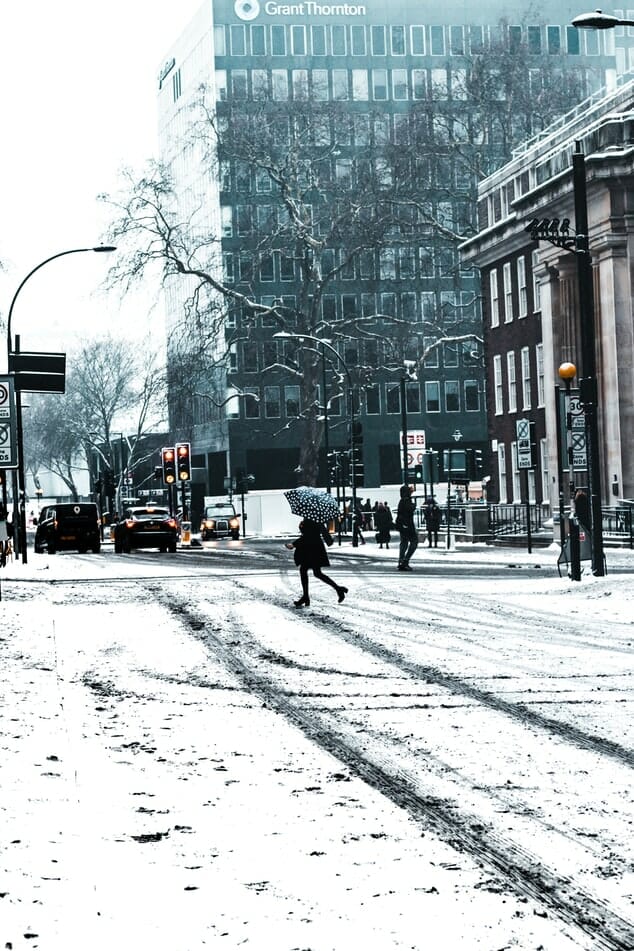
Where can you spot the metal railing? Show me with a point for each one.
(512, 519)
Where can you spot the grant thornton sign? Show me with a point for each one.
(250, 9)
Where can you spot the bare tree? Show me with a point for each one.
(113, 386)
(328, 195)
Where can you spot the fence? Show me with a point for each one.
(512, 519)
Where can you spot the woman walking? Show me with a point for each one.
(383, 524)
(310, 554)
(407, 529)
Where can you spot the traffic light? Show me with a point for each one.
(169, 465)
(475, 464)
(158, 472)
(183, 463)
(418, 472)
(430, 467)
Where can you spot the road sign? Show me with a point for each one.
(524, 449)
(415, 446)
(578, 433)
(8, 440)
(38, 372)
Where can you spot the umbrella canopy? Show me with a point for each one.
(312, 503)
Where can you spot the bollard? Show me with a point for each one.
(186, 533)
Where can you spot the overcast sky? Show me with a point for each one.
(78, 102)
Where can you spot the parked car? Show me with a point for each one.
(145, 526)
(68, 525)
(220, 521)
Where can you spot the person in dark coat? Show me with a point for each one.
(383, 524)
(406, 528)
(582, 509)
(431, 514)
(310, 553)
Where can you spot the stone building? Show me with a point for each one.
(531, 297)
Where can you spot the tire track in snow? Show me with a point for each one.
(517, 866)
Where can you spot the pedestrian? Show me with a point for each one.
(383, 524)
(582, 509)
(431, 514)
(406, 528)
(357, 525)
(310, 553)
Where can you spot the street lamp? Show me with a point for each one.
(599, 21)
(328, 346)
(18, 396)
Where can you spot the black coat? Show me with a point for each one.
(405, 517)
(310, 551)
(432, 517)
(383, 523)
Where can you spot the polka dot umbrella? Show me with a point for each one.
(311, 503)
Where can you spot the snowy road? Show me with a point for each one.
(443, 761)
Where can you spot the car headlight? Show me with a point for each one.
(233, 523)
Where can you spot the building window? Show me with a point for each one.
(471, 396)
(452, 396)
(508, 293)
(300, 84)
(526, 378)
(252, 404)
(378, 41)
(418, 40)
(220, 46)
(287, 267)
(399, 84)
(497, 384)
(258, 40)
(238, 40)
(340, 84)
(511, 381)
(392, 398)
(379, 84)
(298, 40)
(360, 91)
(278, 41)
(397, 37)
(521, 286)
(517, 485)
(572, 40)
(419, 83)
(501, 472)
(272, 409)
(537, 297)
(358, 40)
(543, 458)
(266, 268)
(176, 85)
(249, 357)
(457, 40)
(539, 358)
(450, 354)
(373, 400)
(554, 39)
(279, 79)
(409, 302)
(320, 84)
(432, 396)
(437, 40)
(495, 298)
(291, 401)
(338, 40)
(318, 40)
(534, 39)
(387, 264)
(412, 397)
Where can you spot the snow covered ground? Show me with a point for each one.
(444, 761)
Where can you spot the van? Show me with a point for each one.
(68, 525)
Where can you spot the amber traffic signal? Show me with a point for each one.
(169, 465)
(183, 463)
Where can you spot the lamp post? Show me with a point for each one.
(325, 344)
(21, 482)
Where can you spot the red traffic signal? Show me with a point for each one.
(168, 457)
(183, 462)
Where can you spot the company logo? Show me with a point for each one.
(247, 9)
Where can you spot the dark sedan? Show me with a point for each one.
(147, 526)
